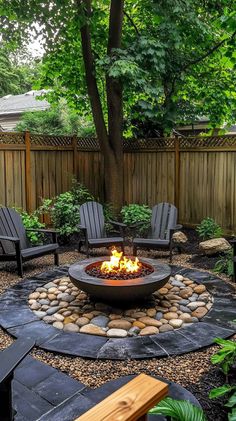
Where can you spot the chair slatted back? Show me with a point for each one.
(164, 217)
(11, 225)
(92, 217)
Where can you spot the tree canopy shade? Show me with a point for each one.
(162, 62)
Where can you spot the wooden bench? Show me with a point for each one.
(129, 403)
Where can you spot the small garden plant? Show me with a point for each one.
(209, 229)
(226, 359)
(64, 208)
(134, 214)
(31, 221)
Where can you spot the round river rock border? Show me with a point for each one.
(19, 321)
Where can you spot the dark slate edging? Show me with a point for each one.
(40, 392)
(17, 318)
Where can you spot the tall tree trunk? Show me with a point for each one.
(114, 186)
(110, 140)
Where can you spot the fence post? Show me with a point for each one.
(28, 180)
(177, 172)
(74, 144)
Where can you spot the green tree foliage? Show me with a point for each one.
(177, 62)
(7, 75)
(16, 77)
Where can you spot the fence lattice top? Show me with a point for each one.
(12, 138)
(43, 140)
(133, 145)
(208, 142)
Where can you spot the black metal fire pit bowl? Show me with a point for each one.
(122, 290)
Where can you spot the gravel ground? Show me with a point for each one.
(193, 371)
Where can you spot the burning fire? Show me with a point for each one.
(119, 263)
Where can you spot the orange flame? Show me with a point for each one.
(120, 263)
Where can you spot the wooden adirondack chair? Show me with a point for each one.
(92, 225)
(10, 358)
(163, 225)
(15, 244)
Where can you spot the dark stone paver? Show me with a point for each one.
(19, 320)
(40, 392)
(27, 403)
(61, 388)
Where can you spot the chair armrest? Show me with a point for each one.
(13, 239)
(52, 232)
(12, 356)
(82, 227)
(173, 229)
(119, 224)
(49, 231)
(177, 227)
(137, 224)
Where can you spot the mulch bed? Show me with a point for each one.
(193, 371)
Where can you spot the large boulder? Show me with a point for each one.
(214, 246)
(179, 238)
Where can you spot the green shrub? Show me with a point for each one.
(133, 214)
(178, 410)
(64, 208)
(226, 359)
(209, 229)
(64, 213)
(225, 264)
(31, 221)
(80, 193)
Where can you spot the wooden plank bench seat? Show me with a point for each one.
(129, 403)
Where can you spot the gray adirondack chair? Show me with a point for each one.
(15, 244)
(163, 225)
(92, 225)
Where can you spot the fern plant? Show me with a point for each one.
(178, 410)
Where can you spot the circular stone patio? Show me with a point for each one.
(180, 302)
(217, 321)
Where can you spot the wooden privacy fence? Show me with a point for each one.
(198, 174)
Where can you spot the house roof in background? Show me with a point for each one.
(18, 104)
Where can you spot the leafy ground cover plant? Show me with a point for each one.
(133, 214)
(209, 229)
(178, 410)
(226, 359)
(31, 221)
(225, 264)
